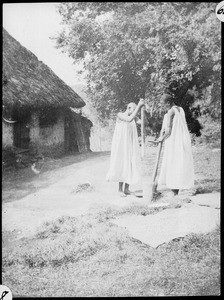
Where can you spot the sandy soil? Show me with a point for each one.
(29, 200)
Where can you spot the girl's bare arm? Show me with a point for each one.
(168, 129)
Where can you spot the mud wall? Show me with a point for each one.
(7, 135)
(49, 140)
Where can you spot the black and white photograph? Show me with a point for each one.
(111, 149)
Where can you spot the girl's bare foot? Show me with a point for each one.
(127, 192)
(126, 189)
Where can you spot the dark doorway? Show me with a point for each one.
(21, 130)
(70, 134)
(21, 135)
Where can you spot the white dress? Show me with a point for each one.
(125, 154)
(177, 169)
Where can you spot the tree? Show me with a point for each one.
(132, 50)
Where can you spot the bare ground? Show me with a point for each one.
(30, 199)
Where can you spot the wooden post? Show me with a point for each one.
(145, 178)
(154, 175)
(142, 131)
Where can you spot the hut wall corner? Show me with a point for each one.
(7, 135)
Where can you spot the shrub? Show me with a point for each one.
(210, 133)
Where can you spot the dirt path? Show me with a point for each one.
(19, 183)
(52, 194)
(30, 200)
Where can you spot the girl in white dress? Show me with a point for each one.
(125, 150)
(177, 169)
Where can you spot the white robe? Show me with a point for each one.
(125, 154)
(177, 169)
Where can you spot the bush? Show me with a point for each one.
(210, 133)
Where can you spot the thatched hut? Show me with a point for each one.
(36, 106)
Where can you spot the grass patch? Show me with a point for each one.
(85, 256)
(207, 166)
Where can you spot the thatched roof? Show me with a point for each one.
(28, 82)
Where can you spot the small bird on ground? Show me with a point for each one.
(33, 168)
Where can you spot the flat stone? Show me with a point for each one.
(208, 199)
(169, 224)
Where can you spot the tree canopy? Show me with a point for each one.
(143, 49)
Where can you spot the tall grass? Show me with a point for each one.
(207, 165)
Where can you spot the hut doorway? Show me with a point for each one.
(21, 135)
(71, 144)
(21, 131)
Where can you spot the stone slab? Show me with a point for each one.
(169, 224)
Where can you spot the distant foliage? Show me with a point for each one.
(210, 133)
(141, 49)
